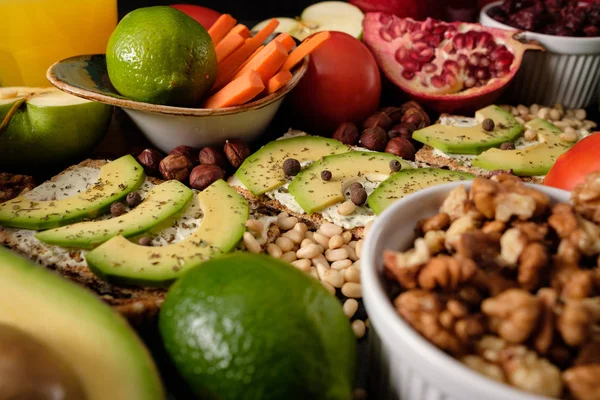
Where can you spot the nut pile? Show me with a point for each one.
(199, 168)
(389, 129)
(509, 283)
(572, 122)
(329, 254)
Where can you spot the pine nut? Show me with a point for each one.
(359, 328)
(520, 120)
(530, 134)
(310, 235)
(320, 260)
(334, 278)
(346, 208)
(358, 249)
(295, 236)
(287, 223)
(255, 225)
(569, 135)
(313, 273)
(321, 239)
(514, 111)
(330, 288)
(285, 244)
(555, 115)
(310, 251)
(352, 244)
(336, 242)
(534, 108)
(522, 110)
(367, 228)
(351, 252)
(341, 264)
(303, 265)
(274, 251)
(562, 124)
(350, 307)
(580, 114)
(251, 243)
(301, 227)
(352, 274)
(321, 270)
(306, 242)
(352, 290)
(282, 214)
(289, 256)
(329, 229)
(357, 264)
(543, 113)
(347, 235)
(336, 254)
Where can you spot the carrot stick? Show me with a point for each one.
(278, 81)
(267, 62)
(237, 58)
(286, 40)
(242, 30)
(239, 91)
(228, 45)
(221, 27)
(248, 60)
(305, 48)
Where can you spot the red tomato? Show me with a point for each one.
(342, 84)
(572, 166)
(205, 16)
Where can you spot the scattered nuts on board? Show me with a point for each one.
(347, 133)
(401, 147)
(176, 166)
(507, 282)
(378, 120)
(210, 155)
(562, 118)
(187, 151)
(150, 159)
(203, 175)
(236, 152)
(374, 139)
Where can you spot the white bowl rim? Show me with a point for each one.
(531, 34)
(375, 296)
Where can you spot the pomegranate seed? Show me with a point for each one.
(469, 41)
(482, 73)
(426, 55)
(419, 46)
(502, 64)
(459, 41)
(438, 81)
(463, 60)
(484, 62)
(474, 60)
(452, 66)
(385, 18)
(401, 54)
(408, 75)
(397, 30)
(416, 36)
(495, 54)
(429, 68)
(411, 66)
(470, 82)
(432, 40)
(385, 35)
(485, 38)
(402, 25)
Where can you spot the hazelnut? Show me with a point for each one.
(176, 166)
(236, 152)
(326, 175)
(507, 146)
(204, 175)
(403, 130)
(380, 119)
(150, 160)
(488, 124)
(291, 167)
(133, 199)
(347, 133)
(358, 196)
(374, 139)
(187, 151)
(416, 116)
(410, 104)
(145, 241)
(401, 147)
(395, 165)
(117, 209)
(395, 113)
(210, 155)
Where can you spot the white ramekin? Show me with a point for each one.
(404, 365)
(567, 73)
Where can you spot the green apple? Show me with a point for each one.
(324, 16)
(45, 126)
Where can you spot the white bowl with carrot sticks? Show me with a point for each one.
(252, 80)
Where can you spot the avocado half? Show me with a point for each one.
(107, 357)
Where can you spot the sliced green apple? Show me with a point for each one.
(44, 126)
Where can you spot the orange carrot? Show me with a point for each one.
(228, 45)
(237, 92)
(242, 30)
(237, 58)
(305, 48)
(286, 40)
(278, 81)
(248, 60)
(221, 27)
(267, 62)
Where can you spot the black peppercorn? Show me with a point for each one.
(488, 125)
(291, 167)
(117, 209)
(395, 166)
(133, 199)
(326, 175)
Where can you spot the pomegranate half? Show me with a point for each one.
(447, 66)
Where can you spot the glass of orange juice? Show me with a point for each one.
(37, 33)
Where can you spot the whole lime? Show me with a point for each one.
(160, 55)
(247, 326)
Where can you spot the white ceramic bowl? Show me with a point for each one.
(167, 127)
(404, 365)
(567, 73)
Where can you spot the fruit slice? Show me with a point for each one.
(324, 16)
(529, 161)
(447, 66)
(40, 127)
(161, 203)
(263, 170)
(455, 134)
(97, 343)
(116, 180)
(408, 181)
(313, 193)
(225, 214)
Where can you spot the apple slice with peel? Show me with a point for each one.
(324, 16)
(45, 126)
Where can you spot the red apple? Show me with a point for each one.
(401, 8)
(204, 15)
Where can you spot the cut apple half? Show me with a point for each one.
(324, 16)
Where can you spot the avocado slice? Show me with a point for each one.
(97, 343)
(263, 170)
(225, 216)
(408, 181)
(162, 202)
(534, 160)
(313, 193)
(117, 178)
(471, 139)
